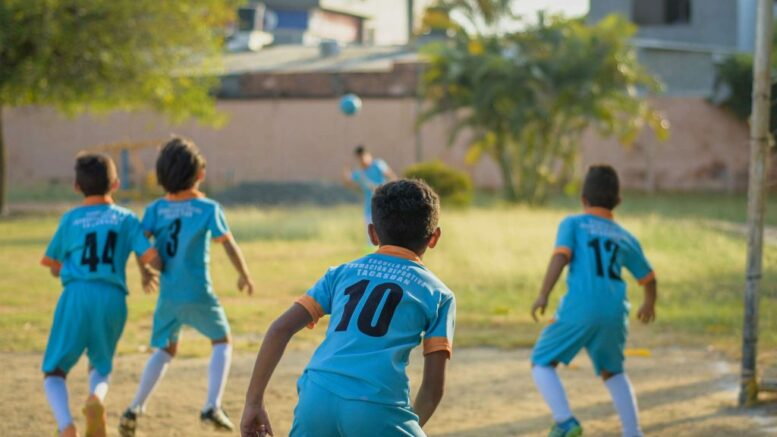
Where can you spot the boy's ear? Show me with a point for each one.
(115, 185)
(585, 202)
(435, 238)
(77, 188)
(373, 235)
(201, 175)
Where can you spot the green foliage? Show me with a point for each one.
(526, 98)
(102, 55)
(453, 186)
(734, 87)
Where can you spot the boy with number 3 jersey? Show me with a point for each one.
(594, 313)
(182, 224)
(381, 307)
(89, 254)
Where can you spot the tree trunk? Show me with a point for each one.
(3, 169)
(506, 168)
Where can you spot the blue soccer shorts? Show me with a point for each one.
(604, 341)
(89, 317)
(208, 318)
(321, 413)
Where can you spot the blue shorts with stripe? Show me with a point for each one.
(208, 318)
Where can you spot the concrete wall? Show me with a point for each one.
(309, 139)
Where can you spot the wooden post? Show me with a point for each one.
(756, 193)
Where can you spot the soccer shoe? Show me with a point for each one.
(70, 431)
(217, 418)
(94, 411)
(128, 423)
(570, 428)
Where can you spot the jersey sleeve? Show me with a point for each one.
(55, 252)
(635, 261)
(439, 336)
(219, 230)
(565, 238)
(318, 300)
(148, 224)
(382, 166)
(138, 241)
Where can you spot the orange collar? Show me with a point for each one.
(185, 195)
(98, 200)
(600, 212)
(399, 252)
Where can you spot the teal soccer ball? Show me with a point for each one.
(350, 104)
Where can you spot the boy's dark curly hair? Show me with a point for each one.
(405, 213)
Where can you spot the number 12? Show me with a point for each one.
(609, 246)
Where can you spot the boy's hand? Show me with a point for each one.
(255, 421)
(244, 283)
(540, 304)
(647, 312)
(150, 282)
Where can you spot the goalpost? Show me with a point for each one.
(756, 194)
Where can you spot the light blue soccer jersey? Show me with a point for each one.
(183, 225)
(93, 242)
(381, 306)
(369, 179)
(598, 249)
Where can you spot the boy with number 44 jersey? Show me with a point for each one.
(89, 254)
(182, 224)
(594, 314)
(381, 307)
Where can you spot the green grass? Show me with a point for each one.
(492, 256)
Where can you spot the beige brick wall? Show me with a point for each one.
(309, 139)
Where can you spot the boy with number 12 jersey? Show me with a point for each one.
(594, 313)
(381, 306)
(182, 224)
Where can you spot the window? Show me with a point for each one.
(661, 12)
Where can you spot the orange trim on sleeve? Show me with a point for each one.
(435, 344)
(222, 238)
(313, 307)
(564, 251)
(50, 262)
(148, 256)
(650, 276)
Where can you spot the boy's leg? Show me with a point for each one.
(549, 385)
(218, 370)
(625, 402)
(56, 393)
(560, 342)
(606, 352)
(155, 369)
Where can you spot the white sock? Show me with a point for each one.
(56, 393)
(98, 384)
(217, 374)
(625, 403)
(152, 374)
(549, 385)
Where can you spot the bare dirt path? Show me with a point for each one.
(490, 394)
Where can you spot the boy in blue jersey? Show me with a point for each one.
(594, 313)
(381, 306)
(369, 174)
(89, 254)
(182, 224)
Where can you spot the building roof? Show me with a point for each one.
(301, 59)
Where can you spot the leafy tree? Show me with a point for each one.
(527, 97)
(101, 55)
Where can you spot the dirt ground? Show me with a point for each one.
(490, 394)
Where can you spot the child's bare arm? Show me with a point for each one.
(647, 312)
(244, 281)
(555, 268)
(432, 386)
(255, 419)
